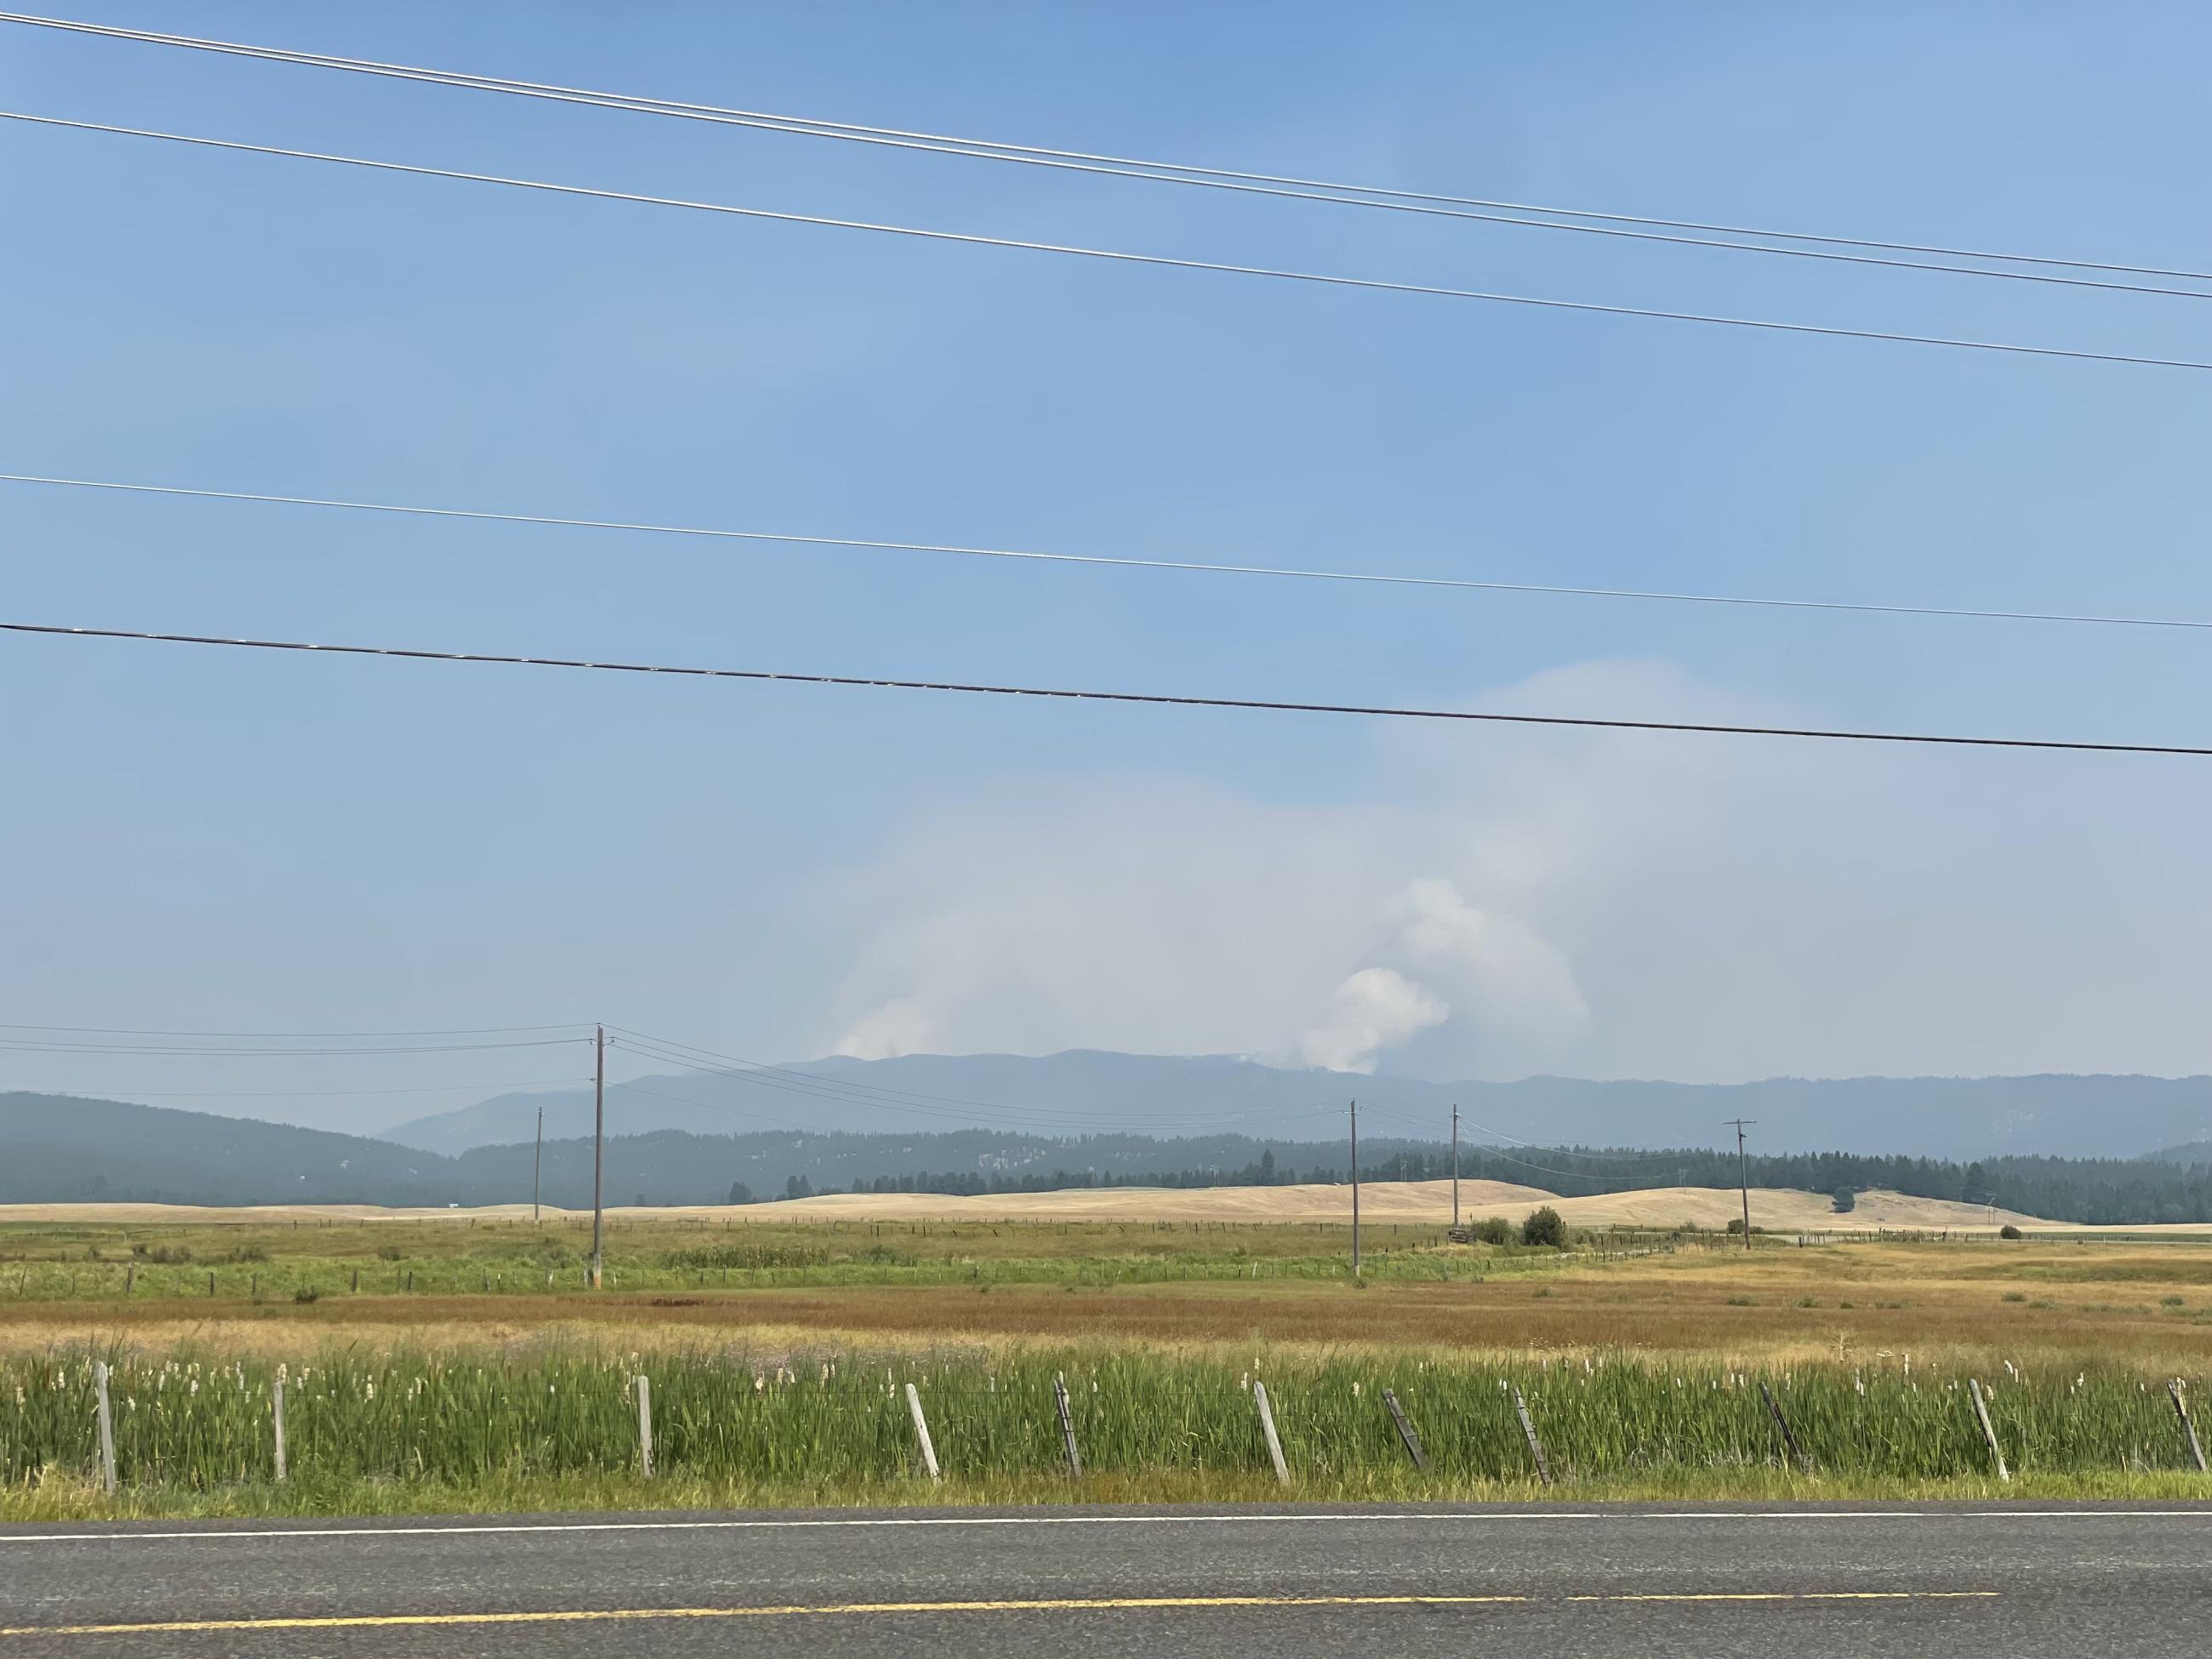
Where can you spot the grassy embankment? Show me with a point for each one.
(1641, 1372)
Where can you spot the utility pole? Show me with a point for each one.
(1355, 1190)
(1455, 1164)
(538, 1168)
(599, 1155)
(1743, 1171)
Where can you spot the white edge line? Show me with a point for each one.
(433, 1530)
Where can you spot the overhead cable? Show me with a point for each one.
(1117, 561)
(463, 1030)
(57, 1047)
(1161, 699)
(1040, 1121)
(1121, 256)
(1157, 172)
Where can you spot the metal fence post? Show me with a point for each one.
(1267, 1429)
(107, 1427)
(1067, 1426)
(1982, 1413)
(921, 1431)
(1535, 1446)
(2188, 1428)
(1789, 1440)
(1405, 1430)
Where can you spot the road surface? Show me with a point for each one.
(2022, 1581)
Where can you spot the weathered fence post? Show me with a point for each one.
(106, 1419)
(1067, 1426)
(210, 1284)
(1774, 1409)
(357, 1281)
(1535, 1446)
(2188, 1428)
(130, 1278)
(921, 1431)
(1981, 1414)
(276, 1416)
(1405, 1431)
(645, 1425)
(1268, 1429)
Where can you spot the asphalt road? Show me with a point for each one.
(2020, 1581)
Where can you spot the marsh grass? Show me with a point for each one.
(192, 1426)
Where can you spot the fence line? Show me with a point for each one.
(1323, 1426)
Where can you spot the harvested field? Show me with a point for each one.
(705, 1301)
(1777, 1209)
(2145, 1304)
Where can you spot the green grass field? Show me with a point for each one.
(59, 1261)
(777, 1357)
(837, 1424)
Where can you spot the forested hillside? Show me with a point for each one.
(59, 1148)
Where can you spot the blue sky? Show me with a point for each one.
(201, 839)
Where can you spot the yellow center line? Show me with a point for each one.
(1066, 1604)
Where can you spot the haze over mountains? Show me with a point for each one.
(1087, 1091)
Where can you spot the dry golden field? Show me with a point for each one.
(1422, 1201)
(2143, 1302)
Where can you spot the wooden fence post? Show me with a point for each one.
(107, 1418)
(357, 1281)
(130, 1278)
(277, 1414)
(1267, 1429)
(1067, 1426)
(921, 1431)
(1789, 1440)
(210, 1284)
(2188, 1428)
(1406, 1431)
(645, 1425)
(1535, 1446)
(1982, 1413)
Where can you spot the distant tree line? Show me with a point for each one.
(2094, 1191)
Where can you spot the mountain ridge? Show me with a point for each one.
(1100, 1090)
(61, 1149)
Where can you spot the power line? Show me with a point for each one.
(57, 1045)
(1036, 1120)
(1160, 699)
(1121, 256)
(738, 1064)
(1114, 562)
(1171, 173)
(323, 1094)
(123, 1030)
(1661, 1155)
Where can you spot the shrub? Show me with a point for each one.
(1493, 1230)
(1846, 1200)
(1544, 1226)
(307, 1293)
(388, 1252)
(2008, 1231)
